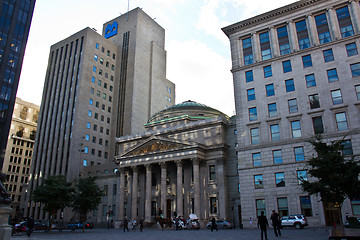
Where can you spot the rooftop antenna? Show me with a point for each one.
(127, 15)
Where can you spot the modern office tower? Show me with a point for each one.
(296, 73)
(19, 151)
(15, 20)
(98, 87)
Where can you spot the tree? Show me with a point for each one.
(56, 193)
(87, 197)
(337, 177)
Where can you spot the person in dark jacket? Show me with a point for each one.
(275, 218)
(263, 223)
(30, 225)
(126, 222)
(213, 225)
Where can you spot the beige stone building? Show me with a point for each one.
(19, 151)
(185, 162)
(296, 73)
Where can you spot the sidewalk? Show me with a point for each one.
(154, 234)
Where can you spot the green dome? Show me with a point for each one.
(190, 108)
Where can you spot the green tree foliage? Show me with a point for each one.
(87, 196)
(55, 194)
(337, 178)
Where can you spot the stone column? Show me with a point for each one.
(148, 194)
(5, 229)
(256, 47)
(355, 15)
(121, 193)
(293, 36)
(275, 49)
(220, 180)
(134, 193)
(334, 25)
(163, 189)
(312, 31)
(196, 169)
(179, 189)
(241, 53)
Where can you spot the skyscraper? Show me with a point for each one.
(99, 87)
(15, 20)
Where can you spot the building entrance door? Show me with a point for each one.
(168, 208)
(332, 214)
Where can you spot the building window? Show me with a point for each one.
(296, 129)
(283, 206)
(293, 108)
(251, 94)
(346, 148)
(305, 205)
(255, 138)
(252, 114)
(283, 39)
(299, 154)
(270, 91)
(101, 61)
(95, 57)
(345, 24)
(256, 157)
(322, 28)
(260, 206)
(258, 180)
(265, 46)
(307, 62)
(355, 69)
(87, 137)
(213, 206)
(85, 163)
(247, 51)
(310, 80)
(88, 125)
(287, 66)
(336, 97)
(275, 132)
(280, 179)
(86, 150)
(341, 121)
(302, 34)
(357, 90)
(314, 101)
(91, 101)
(302, 176)
(212, 174)
(94, 69)
(267, 71)
(289, 85)
(328, 55)
(351, 49)
(249, 76)
(332, 75)
(318, 125)
(96, 45)
(277, 156)
(89, 113)
(272, 109)
(93, 79)
(355, 205)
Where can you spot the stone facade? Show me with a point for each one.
(296, 74)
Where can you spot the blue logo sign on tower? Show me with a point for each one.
(111, 30)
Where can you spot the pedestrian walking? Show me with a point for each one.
(250, 221)
(262, 223)
(133, 225)
(141, 224)
(126, 222)
(275, 218)
(213, 225)
(30, 226)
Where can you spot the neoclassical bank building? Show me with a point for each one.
(185, 162)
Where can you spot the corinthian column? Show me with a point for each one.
(148, 194)
(179, 189)
(134, 193)
(163, 188)
(196, 170)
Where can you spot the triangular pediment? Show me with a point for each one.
(153, 145)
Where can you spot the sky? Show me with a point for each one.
(198, 52)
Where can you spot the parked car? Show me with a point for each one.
(192, 224)
(80, 225)
(221, 224)
(38, 226)
(297, 221)
(348, 224)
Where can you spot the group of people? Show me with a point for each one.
(263, 224)
(132, 224)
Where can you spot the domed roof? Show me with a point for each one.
(190, 108)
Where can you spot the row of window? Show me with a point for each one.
(279, 179)
(99, 82)
(93, 151)
(95, 127)
(27, 161)
(87, 138)
(108, 53)
(277, 156)
(20, 142)
(302, 34)
(295, 126)
(102, 117)
(15, 178)
(98, 94)
(16, 169)
(19, 151)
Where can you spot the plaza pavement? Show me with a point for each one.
(307, 233)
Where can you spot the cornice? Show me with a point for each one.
(270, 15)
